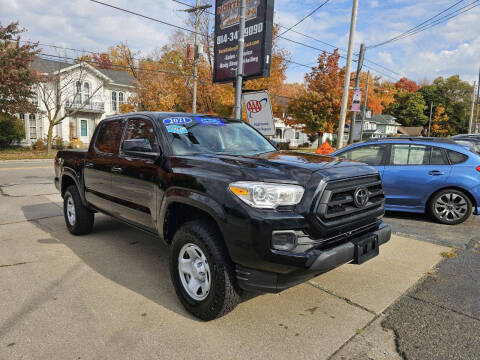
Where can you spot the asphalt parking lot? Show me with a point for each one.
(108, 295)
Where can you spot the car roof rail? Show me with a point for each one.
(414, 138)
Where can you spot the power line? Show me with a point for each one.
(304, 18)
(145, 16)
(444, 19)
(114, 66)
(307, 45)
(384, 67)
(427, 24)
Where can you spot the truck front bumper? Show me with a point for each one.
(262, 281)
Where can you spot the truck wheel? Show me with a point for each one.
(201, 271)
(451, 207)
(79, 218)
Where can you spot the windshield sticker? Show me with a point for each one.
(176, 129)
(210, 121)
(177, 121)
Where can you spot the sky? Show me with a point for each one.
(448, 49)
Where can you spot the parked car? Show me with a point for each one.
(424, 175)
(471, 141)
(237, 213)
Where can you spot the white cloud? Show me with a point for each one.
(85, 25)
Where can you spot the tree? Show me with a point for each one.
(407, 85)
(102, 61)
(317, 109)
(61, 96)
(440, 125)
(408, 108)
(16, 75)
(11, 129)
(385, 92)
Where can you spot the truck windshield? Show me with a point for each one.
(206, 135)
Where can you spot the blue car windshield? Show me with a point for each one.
(207, 135)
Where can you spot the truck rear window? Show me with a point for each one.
(109, 136)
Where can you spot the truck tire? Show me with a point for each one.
(450, 207)
(78, 218)
(202, 272)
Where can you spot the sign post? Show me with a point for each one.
(259, 111)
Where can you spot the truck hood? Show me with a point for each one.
(284, 166)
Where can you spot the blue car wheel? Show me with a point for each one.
(451, 207)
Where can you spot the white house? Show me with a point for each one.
(94, 93)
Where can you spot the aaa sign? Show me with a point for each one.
(259, 111)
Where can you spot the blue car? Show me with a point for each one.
(424, 175)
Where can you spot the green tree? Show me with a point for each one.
(452, 94)
(409, 108)
(16, 75)
(11, 130)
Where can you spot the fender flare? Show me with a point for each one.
(188, 197)
(72, 174)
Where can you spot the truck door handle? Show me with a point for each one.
(89, 165)
(436, 173)
(116, 169)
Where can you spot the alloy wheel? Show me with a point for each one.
(451, 207)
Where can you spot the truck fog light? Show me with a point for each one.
(284, 240)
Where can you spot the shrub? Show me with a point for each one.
(75, 144)
(58, 143)
(304, 145)
(39, 145)
(11, 130)
(284, 145)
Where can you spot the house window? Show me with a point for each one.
(297, 135)
(33, 126)
(86, 92)
(83, 128)
(78, 92)
(121, 98)
(114, 101)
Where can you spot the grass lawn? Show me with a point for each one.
(19, 153)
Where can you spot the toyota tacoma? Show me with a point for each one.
(237, 213)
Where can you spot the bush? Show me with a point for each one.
(284, 145)
(58, 143)
(39, 145)
(75, 144)
(11, 130)
(304, 145)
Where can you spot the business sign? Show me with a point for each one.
(357, 98)
(258, 39)
(259, 111)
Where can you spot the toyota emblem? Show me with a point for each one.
(360, 197)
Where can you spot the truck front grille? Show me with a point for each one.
(348, 199)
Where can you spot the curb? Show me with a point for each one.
(24, 160)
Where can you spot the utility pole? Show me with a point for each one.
(365, 106)
(346, 84)
(470, 123)
(430, 120)
(239, 77)
(478, 103)
(361, 55)
(196, 53)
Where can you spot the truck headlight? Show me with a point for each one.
(267, 195)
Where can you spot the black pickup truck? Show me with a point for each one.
(238, 213)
